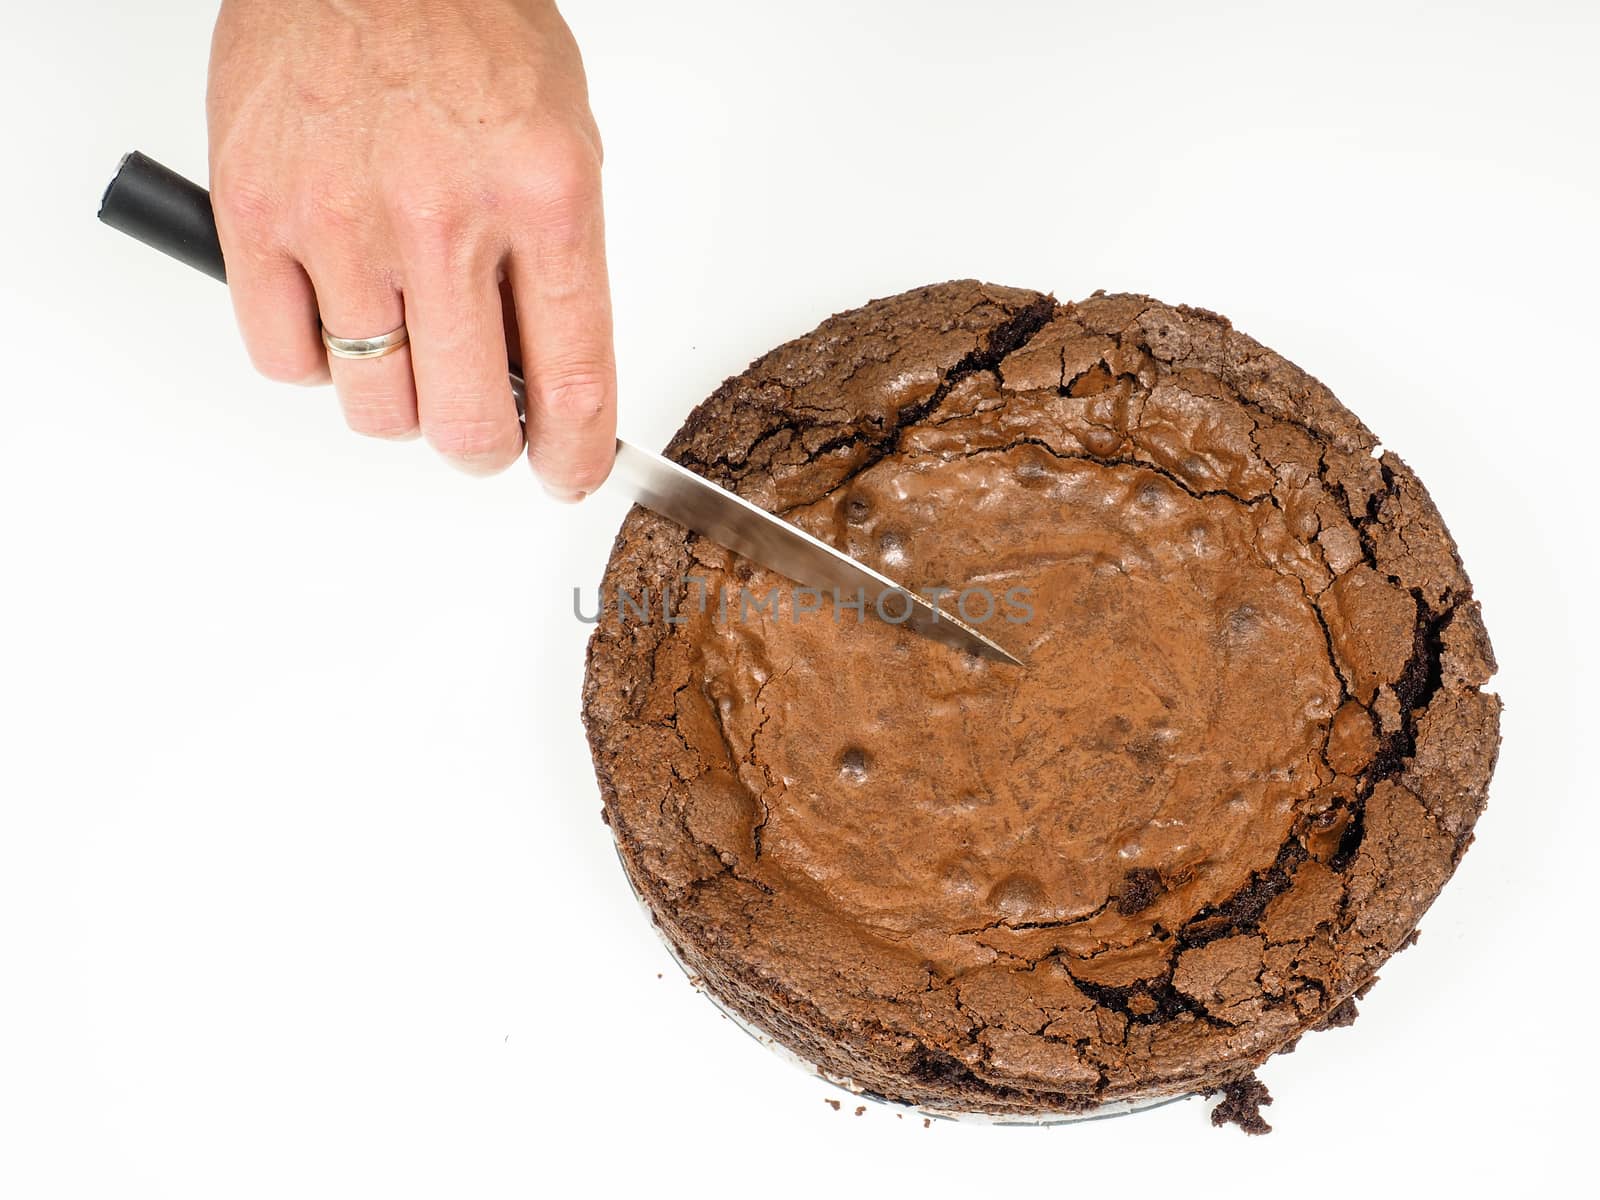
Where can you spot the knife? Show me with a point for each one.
(164, 210)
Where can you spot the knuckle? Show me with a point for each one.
(329, 212)
(565, 184)
(246, 204)
(287, 364)
(576, 396)
(388, 421)
(429, 221)
(478, 442)
(573, 180)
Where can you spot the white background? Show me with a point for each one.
(303, 888)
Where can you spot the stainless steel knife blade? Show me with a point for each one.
(693, 501)
(696, 503)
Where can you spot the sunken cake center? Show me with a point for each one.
(1175, 704)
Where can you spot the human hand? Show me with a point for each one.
(433, 164)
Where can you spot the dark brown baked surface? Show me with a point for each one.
(1248, 748)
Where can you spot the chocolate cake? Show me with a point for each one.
(1246, 750)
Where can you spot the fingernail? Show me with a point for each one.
(564, 495)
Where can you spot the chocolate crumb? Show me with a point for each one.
(1241, 1105)
(832, 1102)
(1345, 1014)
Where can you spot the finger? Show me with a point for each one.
(358, 300)
(272, 296)
(563, 301)
(458, 352)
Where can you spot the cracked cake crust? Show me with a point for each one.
(1248, 750)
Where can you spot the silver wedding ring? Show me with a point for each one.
(367, 347)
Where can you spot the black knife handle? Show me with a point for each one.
(164, 210)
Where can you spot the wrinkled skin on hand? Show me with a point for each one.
(428, 163)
